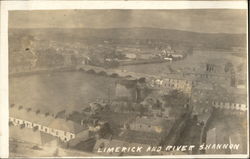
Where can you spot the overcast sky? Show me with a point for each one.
(207, 21)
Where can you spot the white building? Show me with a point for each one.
(177, 56)
(130, 56)
(227, 105)
(61, 128)
(168, 59)
(178, 84)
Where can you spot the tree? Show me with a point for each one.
(105, 130)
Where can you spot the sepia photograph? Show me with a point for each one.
(127, 82)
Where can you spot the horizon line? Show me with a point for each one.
(198, 32)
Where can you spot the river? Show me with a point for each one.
(54, 92)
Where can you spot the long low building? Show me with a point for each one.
(61, 128)
(227, 105)
(168, 83)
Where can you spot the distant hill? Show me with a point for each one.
(214, 40)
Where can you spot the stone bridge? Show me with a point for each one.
(157, 82)
(115, 73)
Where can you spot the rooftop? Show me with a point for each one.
(45, 120)
(132, 136)
(150, 121)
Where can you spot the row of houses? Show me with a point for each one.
(202, 107)
(65, 130)
(227, 105)
(218, 97)
(179, 84)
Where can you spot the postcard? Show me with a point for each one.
(124, 79)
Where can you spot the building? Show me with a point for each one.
(130, 56)
(131, 90)
(229, 105)
(168, 59)
(156, 107)
(96, 107)
(122, 107)
(220, 141)
(125, 91)
(65, 130)
(160, 112)
(148, 124)
(203, 99)
(178, 84)
(177, 56)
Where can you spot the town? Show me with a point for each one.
(151, 93)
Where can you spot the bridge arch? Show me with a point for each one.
(128, 76)
(91, 71)
(82, 69)
(142, 79)
(114, 75)
(103, 73)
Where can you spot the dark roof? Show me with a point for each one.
(66, 125)
(42, 119)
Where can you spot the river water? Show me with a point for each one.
(54, 92)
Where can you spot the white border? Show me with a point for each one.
(56, 5)
(47, 5)
(4, 82)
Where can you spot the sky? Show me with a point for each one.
(202, 20)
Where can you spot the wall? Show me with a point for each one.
(233, 106)
(54, 132)
(182, 85)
